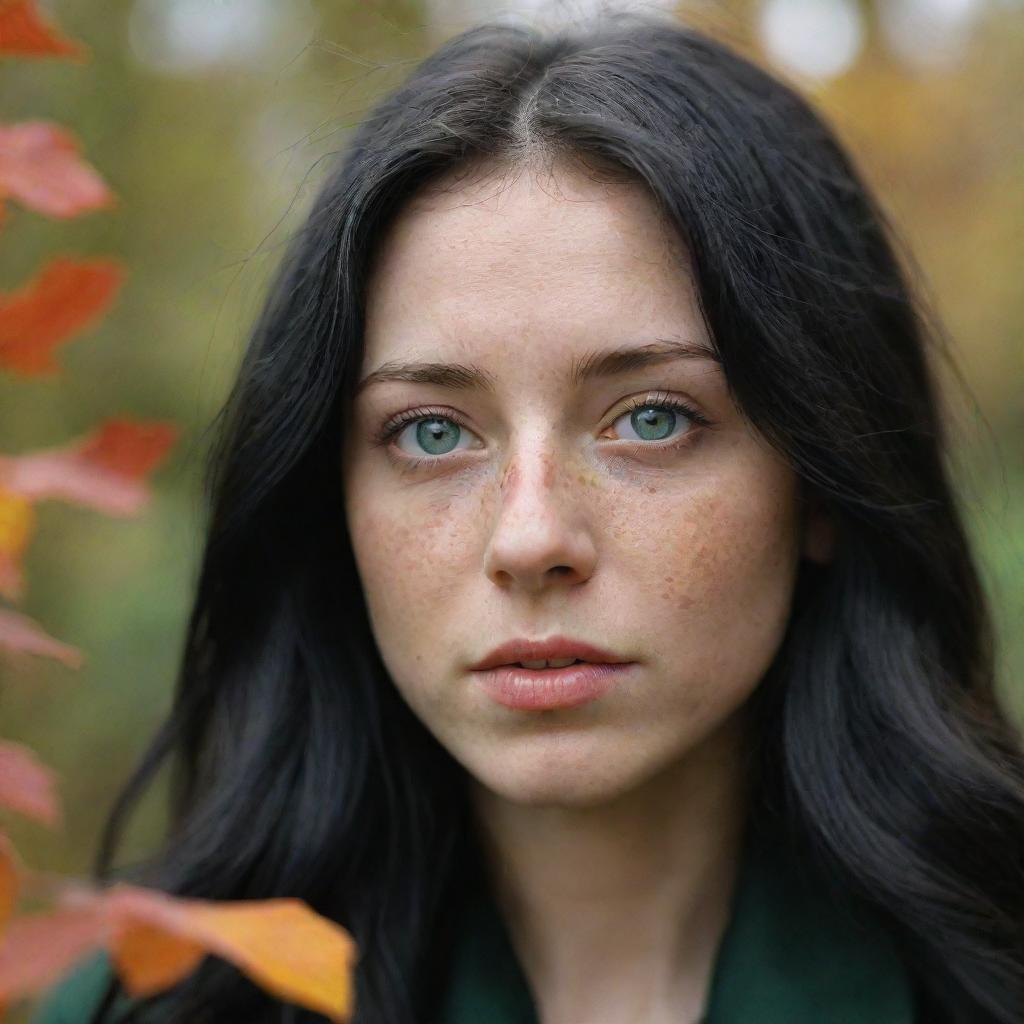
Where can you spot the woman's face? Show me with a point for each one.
(536, 500)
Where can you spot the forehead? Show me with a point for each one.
(526, 258)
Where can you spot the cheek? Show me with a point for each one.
(407, 554)
(729, 553)
(720, 571)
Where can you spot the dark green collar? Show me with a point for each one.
(796, 950)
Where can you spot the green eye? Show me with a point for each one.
(432, 435)
(652, 423)
(437, 436)
(655, 421)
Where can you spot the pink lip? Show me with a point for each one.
(549, 649)
(545, 689)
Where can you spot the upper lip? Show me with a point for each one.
(547, 649)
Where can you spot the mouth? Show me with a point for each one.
(547, 663)
(546, 654)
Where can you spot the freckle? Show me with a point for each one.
(650, 490)
(549, 472)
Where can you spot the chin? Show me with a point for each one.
(574, 795)
(558, 774)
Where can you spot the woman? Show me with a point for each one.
(594, 347)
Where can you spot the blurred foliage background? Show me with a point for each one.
(213, 121)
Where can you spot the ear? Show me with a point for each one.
(818, 540)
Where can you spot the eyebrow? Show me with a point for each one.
(591, 366)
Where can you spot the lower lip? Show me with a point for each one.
(545, 689)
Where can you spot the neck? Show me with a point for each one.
(616, 911)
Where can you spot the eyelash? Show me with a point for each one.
(661, 400)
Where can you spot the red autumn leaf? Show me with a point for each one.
(26, 33)
(36, 949)
(27, 785)
(9, 871)
(104, 470)
(156, 940)
(19, 634)
(41, 167)
(126, 448)
(65, 298)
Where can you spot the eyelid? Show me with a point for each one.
(669, 400)
(395, 423)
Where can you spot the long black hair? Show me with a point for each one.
(881, 743)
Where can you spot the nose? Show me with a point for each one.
(540, 536)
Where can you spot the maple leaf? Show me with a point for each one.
(63, 299)
(41, 167)
(156, 940)
(26, 33)
(127, 448)
(21, 635)
(104, 470)
(36, 949)
(27, 785)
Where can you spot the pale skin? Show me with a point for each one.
(613, 828)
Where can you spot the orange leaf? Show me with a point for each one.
(150, 959)
(67, 297)
(20, 634)
(25, 32)
(17, 519)
(281, 944)
(27, 785)
(40, 166)
(103, 470)
(156, 940)
(8, 880)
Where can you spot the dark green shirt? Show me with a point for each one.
(797, 950)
